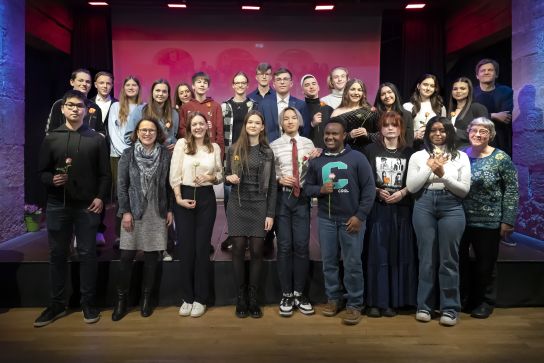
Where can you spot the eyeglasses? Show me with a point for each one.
(239, 83)
(264, 74)
(72, 106)
(483, 132)
(147, 131)
(286, 79)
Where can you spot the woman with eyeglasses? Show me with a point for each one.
(358, 115)
(491, 208)
(439, 176)
(425, 104)
(159, 107)
(462, 110)
(145, 205)
(196, 166)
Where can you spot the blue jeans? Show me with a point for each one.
(293, 236)
(439, 222)
(62, 223)
(333, 234)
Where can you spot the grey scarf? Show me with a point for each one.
(148, 163)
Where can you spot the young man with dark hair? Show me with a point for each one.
(271, 107)
(499, 101)
(80, 80)
(206, 106)
(74, 166)
(319, 111)
(263, 75)
(342, 180)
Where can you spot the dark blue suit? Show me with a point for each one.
(269, 108)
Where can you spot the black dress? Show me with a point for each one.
(390, 246)
(248, 205)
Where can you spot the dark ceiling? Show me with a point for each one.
(277, 6)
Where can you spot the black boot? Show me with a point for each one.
(150, 267)
(120, 309)
(241, 303)
(254, 309)
(145, 307)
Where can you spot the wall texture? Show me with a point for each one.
(12, 117)
(528, 85)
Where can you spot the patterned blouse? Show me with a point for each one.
(493, 197)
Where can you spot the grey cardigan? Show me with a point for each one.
(129, 197)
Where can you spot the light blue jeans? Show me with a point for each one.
(439, 223)
(333, 234)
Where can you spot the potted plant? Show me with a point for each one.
(32, 217)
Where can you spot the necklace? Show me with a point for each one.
(391, 151)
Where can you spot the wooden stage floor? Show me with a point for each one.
(513, 335)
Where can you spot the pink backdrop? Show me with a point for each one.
(173, 45)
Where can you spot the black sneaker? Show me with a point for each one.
(90, 314)
(49, 315)
(286, 305)
(303, 304)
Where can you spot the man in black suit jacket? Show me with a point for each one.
(271, 107)
(320, 112)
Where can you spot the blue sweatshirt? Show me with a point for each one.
(354, 187)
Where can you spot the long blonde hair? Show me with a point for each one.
(124, 104)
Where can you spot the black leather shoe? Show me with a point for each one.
(482, 311)
(389, 312)
(120, 309)
(373, 312)
(145, 308)
(242, 310)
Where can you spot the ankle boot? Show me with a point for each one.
(145, 307)
(241, 303)
(254, 309)
(120, 309)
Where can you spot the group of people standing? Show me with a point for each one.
(398, 203)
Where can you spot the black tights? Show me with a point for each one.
(125, 269)
(256, 246)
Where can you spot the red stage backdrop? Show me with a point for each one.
(163, 43)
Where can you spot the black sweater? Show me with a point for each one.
(89, 175)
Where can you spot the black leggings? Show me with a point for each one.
(256, 246)
(125, 269)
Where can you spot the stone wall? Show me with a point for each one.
(12, 117)
(528, 85)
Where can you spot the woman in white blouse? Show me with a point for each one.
(196, 166)
(424, 104)
(439, 176)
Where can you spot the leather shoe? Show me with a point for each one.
(482, 311)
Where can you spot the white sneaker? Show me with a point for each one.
(198, 309)
(166, 256)
(423, 315)
(185, 309)
(100, 240)
(448, 318)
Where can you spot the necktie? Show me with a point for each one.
(294, 160)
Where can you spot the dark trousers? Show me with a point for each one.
(62, 223)
(293, 236)
(194, 228)
(481, 281)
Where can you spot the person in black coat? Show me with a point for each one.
(319, 111)
(388, 99)
(462, 110)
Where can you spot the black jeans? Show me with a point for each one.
(62, 223)
(194, 228)
(482, 281)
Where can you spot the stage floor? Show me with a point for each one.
(33, 247)
(510, 335)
